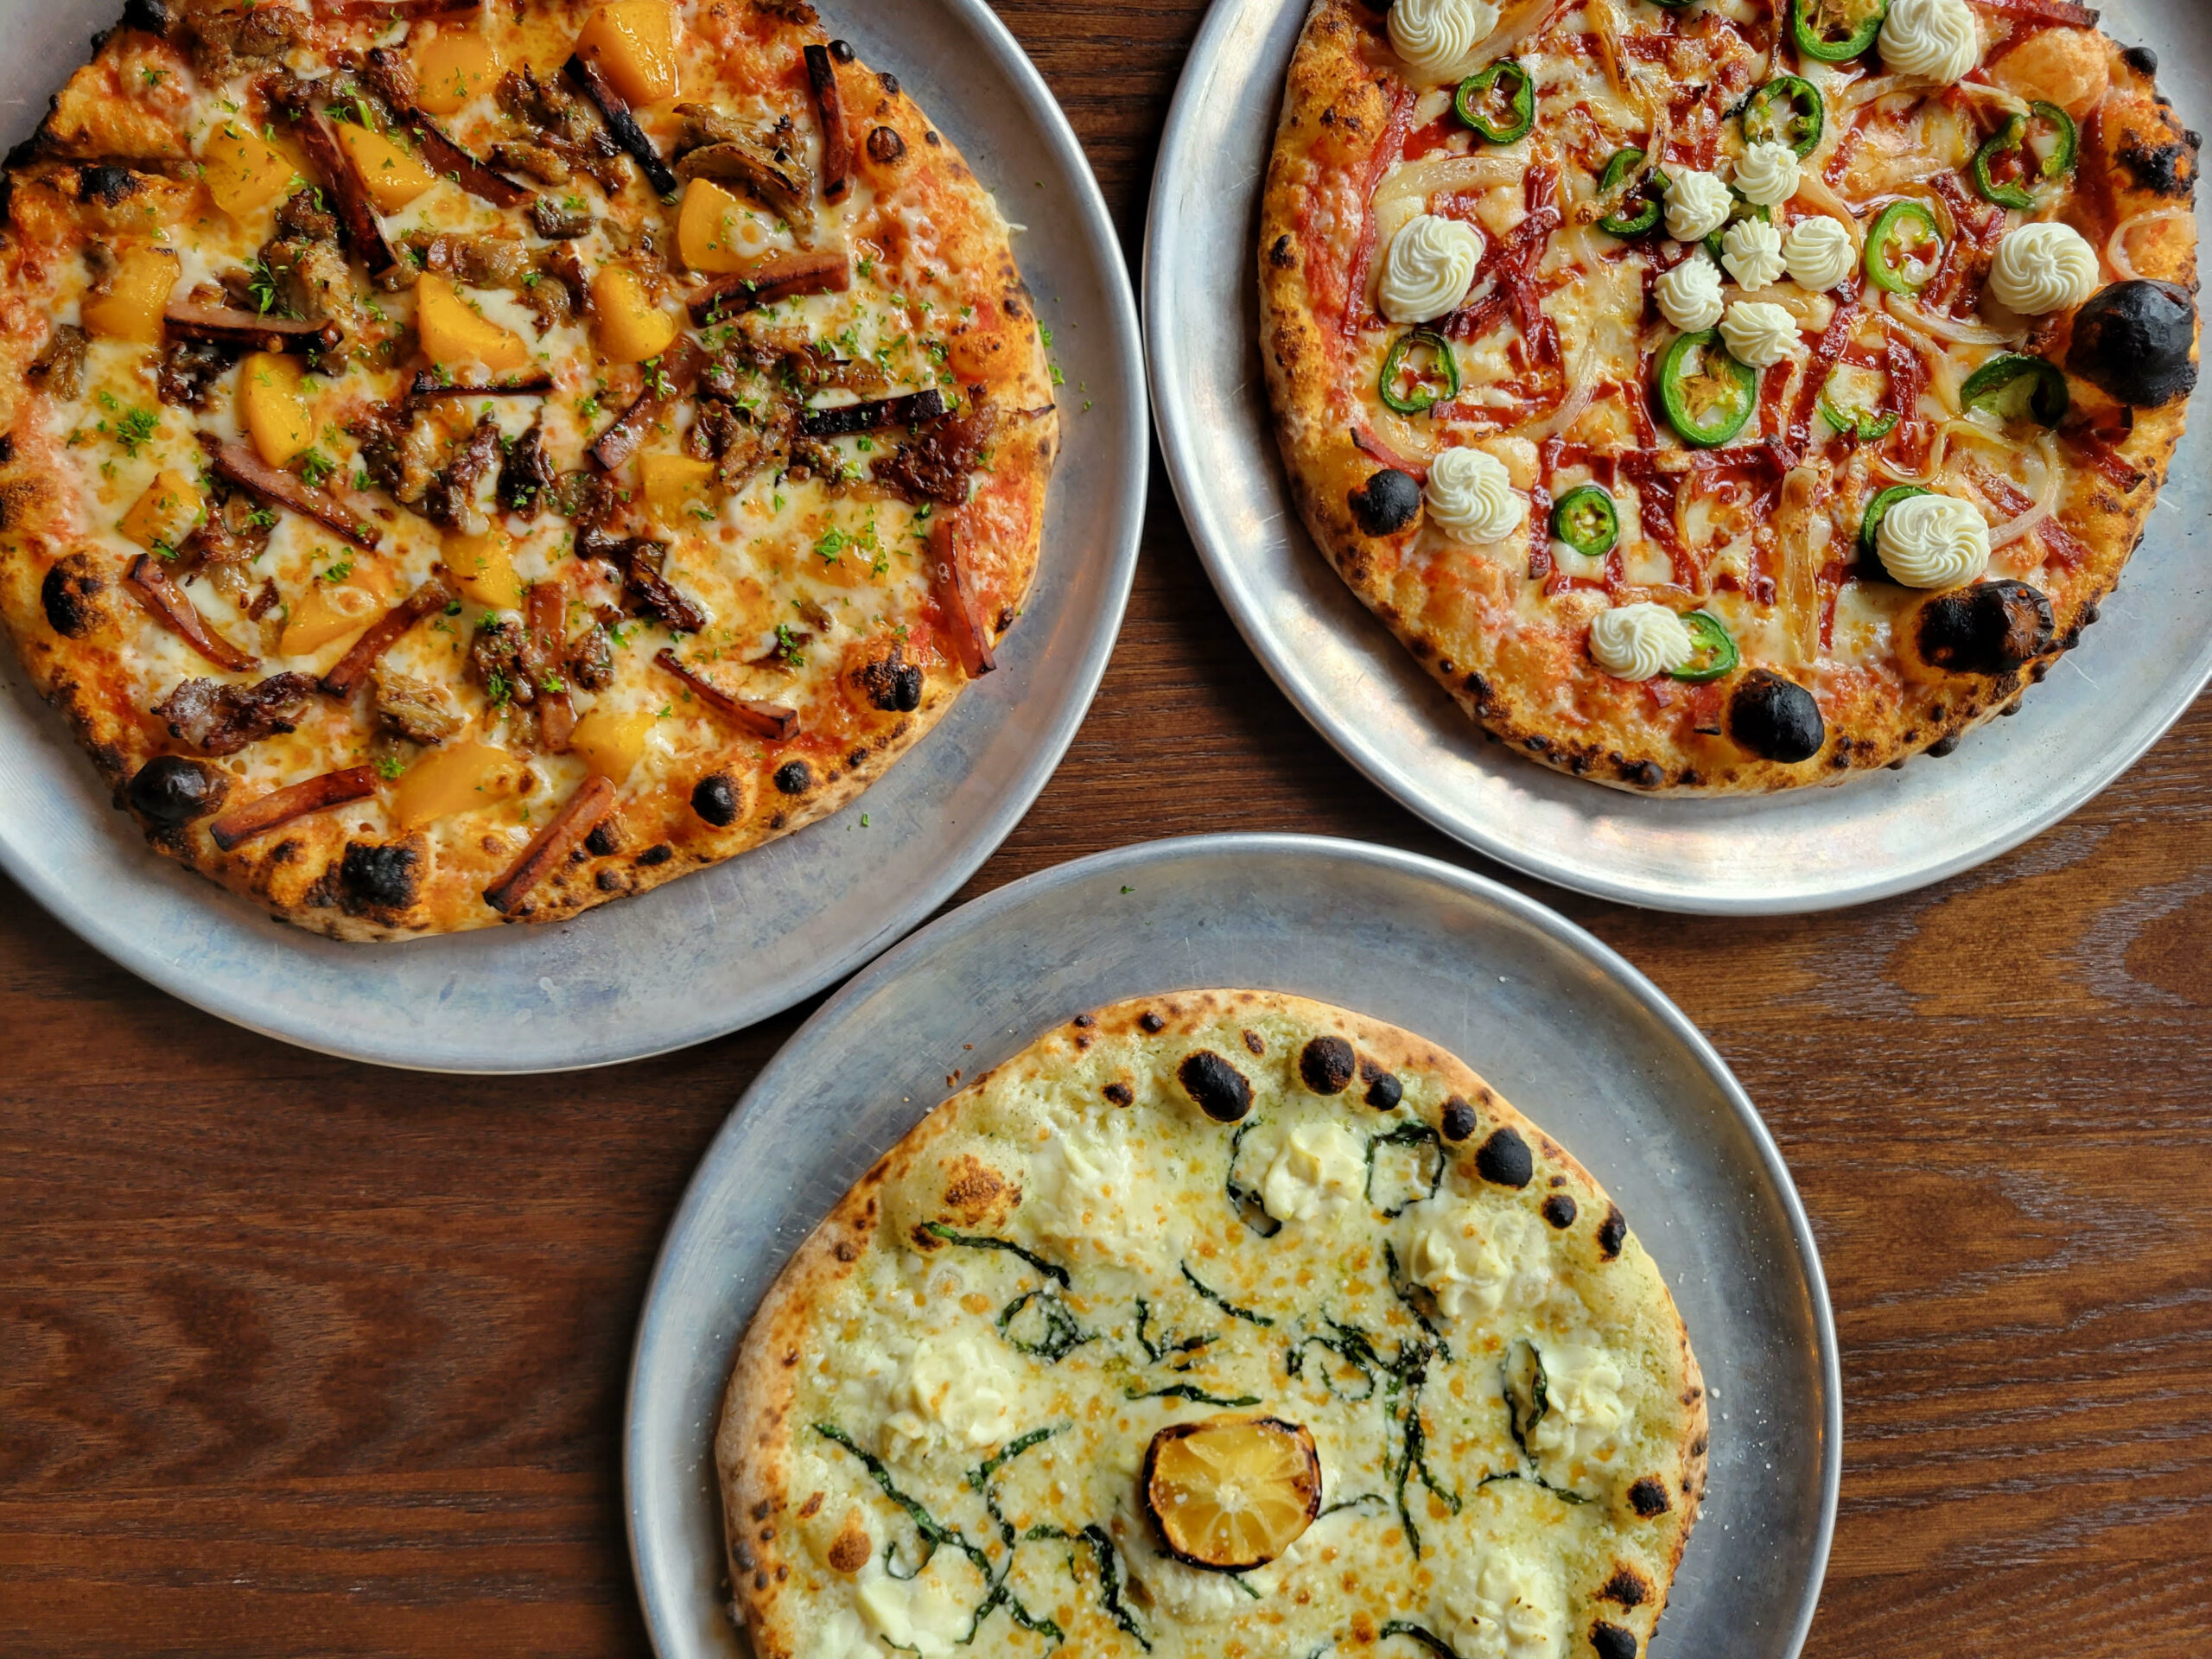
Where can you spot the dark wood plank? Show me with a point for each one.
(297, 1355)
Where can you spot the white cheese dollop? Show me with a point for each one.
(1472, 1270)
(1084, 1182)
(1429, 269)
(921, 1615)
(1439, 39)
(1934, 541)
(2043, 267)
(957, 1389)
(1931, 40)
(1320, 1171)
(1470, 497)
(1583, 1409)
(1752, 253)
(1690, 294)
(1502, 1607)
(1768, 174)
(1698, 204)
(1758, 336)
(1638, 641)
(1819, 253)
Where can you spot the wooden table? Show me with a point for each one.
(297, 1355)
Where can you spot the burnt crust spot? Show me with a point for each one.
(974, 1189)
(72, 595)
(1254, 1041)
(1647, 1497)
(656, 854)
(1119, 1093)
(893, 684)
(794, 777)
(1627, 1587)
(1384, 1091)
(1220, 1090)
(2140, 59)
(379, 877)
(850, 1550)
(2167, 169)
(1386, 502)
(1460, 1120)
(1152, 1022)
(1280, 255)
(1504, 1160)
(1612, 1233)
(1561, 1210)
(108, 185)
(1326, 1063)
(714, 797)
(174, 789)
(1612, 1642)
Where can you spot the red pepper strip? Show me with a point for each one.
(972, 641)
(1387, 150)
(545, 608)
(1540, 507)
(836, 131)
(345, 514)
(769, 719)
(1840, 329)
(2095, 449)
(772, 280)
(165, 603)
(551, 846)
(2062, 12)
(264, 813)
(349, 671)
(2060, 542)
(673, 378)
(364, 230)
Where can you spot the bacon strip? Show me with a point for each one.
(230, 325)
(390, 77)
(676, 373)
(343, 512)
(551, 846)
(772, 280)
(357, 214)
(769, 719)
(545, 608)
(910, 410)
(167, 604)
(836, 131)
(2063, 13)
(1908, 379)
(621, 125)
(428, 385)
(264, 813)
(972, 641)
(349, 671)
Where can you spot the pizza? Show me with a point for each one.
(462, 464)
(1217, 1322)
(1728, 395)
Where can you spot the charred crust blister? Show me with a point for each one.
(1647, 1497)
(1612, 1233)
(1220, 1090)
(794, 777)
(1119, 1094)
(1458, 1120)
(1384, 1091)
(1612, 1641)
(1626, 1587)
(1504, 1160)
(1560, 1211)
(1326, 1065)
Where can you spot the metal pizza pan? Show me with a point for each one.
(1565, 1028)
(727, 946)
(1808, 849)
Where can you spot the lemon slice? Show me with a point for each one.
(1231, 1492)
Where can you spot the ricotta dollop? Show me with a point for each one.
(1639, 641)
(1320, 1170)
(2043, 267)
(1473, 1270)
(1472, 497)
(1502, 1607)
(956, 1389)
(1932, 540)
(1768, 174)
(1583, 1410)
(1756, 335)
(1819, 253)
(1752, 251)
(1690, 294)
(1698, 204)
(1439, 39)
(1931, 40)
(1429, 269)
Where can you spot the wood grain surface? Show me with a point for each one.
(299, 1357)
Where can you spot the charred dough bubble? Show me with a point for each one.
(1327, 1064)
(1992, 627)
(714, 797)
(172, 789)
(1460, 1120)
(387, 877)
(1504, 1160)
(2133, 341)
(1386, 503)
(1775, 719)
(1218, 1087)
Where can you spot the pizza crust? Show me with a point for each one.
(961, 1165)
(1343, 109)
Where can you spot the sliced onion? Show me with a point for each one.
(2116, 254)
(1802, 530)
(1989, 92)
(1861, 93)
(1909, 313)
(2046, 453)
(1817, 192)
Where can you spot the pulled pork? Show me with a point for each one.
(216, 718)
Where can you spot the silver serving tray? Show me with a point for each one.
(726, 946)
(1808, 850)
(1568, 1031)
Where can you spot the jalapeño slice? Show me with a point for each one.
(1422, 391)
(1716, 650)
(1898, 259)
(1478, 102)
(2015, 385)
(2016, 154)
(1643, 199)
(1836, 31)
(1586, 519)
(1870, 527)
(1788, 109)
(1849, 405)
(1707, 395)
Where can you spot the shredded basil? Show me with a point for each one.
(1109, 1582)
(1197, 1396)
(1435, 1643)
(1403, 1289)
(1062, 1334)
(1250, 1209)
(1407, 1135)
(1523, 1380)
(1057, 1274)
(933, 1533)
(1168, 1347)
(1408, 1374)
(1223, 1303)
(1349, 1345)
